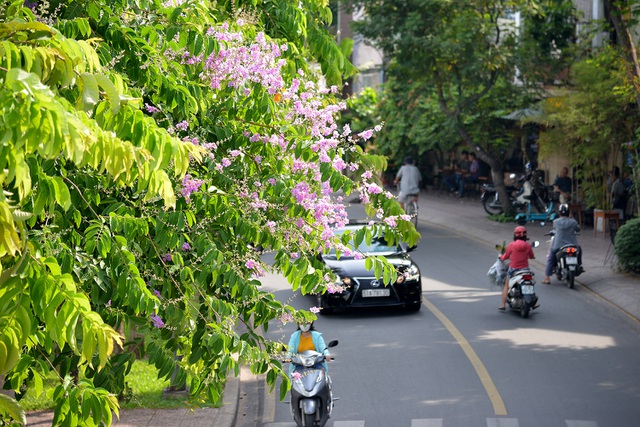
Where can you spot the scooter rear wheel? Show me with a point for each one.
(570, 278)
(524, 311)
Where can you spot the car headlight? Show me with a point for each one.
(411, 273)
(343, 281)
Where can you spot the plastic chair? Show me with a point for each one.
(611, 254)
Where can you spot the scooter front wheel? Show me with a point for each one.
(492, 205)
(309, 419)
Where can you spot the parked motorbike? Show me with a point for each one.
(528, 192)
(491, 200)
(567, 267)
(522, 295)
(311, 395)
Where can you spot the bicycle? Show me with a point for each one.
(411, 208)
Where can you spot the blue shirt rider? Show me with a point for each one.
(307, 338)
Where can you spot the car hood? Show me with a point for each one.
(356, 267)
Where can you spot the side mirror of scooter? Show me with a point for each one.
(535, 244)
(333, 343)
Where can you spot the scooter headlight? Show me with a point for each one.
(308, 361)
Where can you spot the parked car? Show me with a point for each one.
(360, 286)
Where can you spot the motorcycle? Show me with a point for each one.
(311, 395)
(490, 198)
(568, 266)
(529, 191)
(522, 295)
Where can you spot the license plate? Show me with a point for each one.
(527, 290)
(572, 260)
(375, 293)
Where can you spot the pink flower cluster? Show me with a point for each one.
(190, 185)
(237, 64)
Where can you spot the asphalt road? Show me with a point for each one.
(461, 362)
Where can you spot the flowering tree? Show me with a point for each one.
(148, 148)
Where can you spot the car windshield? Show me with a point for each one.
(378, 244)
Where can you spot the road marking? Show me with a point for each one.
(430, 422)
(496, 400)
(437, 422)
(575, 423)
(502, 422)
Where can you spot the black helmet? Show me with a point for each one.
(563, 210)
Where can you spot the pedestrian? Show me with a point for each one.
(471, 176)
(563, 185)
(519, 252)
(618, 192)
(462, 168)
(409, 179)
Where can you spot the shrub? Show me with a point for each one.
(626, 246)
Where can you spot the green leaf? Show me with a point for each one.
(111, 91)
(90, 92)
(10, 406)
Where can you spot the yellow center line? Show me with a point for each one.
(491, 389)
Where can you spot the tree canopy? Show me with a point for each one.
(149, 147)
(462, 66)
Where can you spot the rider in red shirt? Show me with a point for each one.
(519, 252)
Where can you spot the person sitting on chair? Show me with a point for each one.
(562, 185)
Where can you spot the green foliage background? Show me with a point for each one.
(626, 248)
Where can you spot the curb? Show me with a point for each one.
(229, 408)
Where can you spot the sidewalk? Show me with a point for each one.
(467, 216)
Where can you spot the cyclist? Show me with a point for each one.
(410, 179)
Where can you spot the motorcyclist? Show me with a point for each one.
(565, 230)
(519, 252)
(307, 338)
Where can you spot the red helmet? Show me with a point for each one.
(520, 233)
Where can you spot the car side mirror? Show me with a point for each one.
(406, 248)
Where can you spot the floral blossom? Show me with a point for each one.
(315, 310)
(334, 288)
(157, 321)
(151, 109)
(189, 186)
(183, 125)
(296, 376)
(286, 318)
